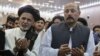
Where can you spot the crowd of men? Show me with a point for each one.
(30, 35)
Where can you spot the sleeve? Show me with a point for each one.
(90, 46)
(45, 47)
(9, 41)
(30, 53)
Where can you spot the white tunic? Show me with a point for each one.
(11, 34)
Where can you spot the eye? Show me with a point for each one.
(29, 20)
(23, 18)
(42, 22)
(66, 10)
(72, 10)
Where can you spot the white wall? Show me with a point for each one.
(94, 15)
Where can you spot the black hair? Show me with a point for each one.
(42, 19)
(29, 9)
(50, 23)
(96, 26)
(83, 21)
(11, 18)
(61, 18)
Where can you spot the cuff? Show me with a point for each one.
(29, 53)
(55, 52)
(86, 54)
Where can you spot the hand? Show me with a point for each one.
(78, 51)
(22, 44)
(96, 52)
(64, 50)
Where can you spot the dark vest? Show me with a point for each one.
(2, 40)
(61, 35)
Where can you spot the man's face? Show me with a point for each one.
(57, 21)
(16, 23)
(97, 30)
(25, 21)
(71, 13)
(39, 25)
(10, 24)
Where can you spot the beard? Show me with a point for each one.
(24, 28)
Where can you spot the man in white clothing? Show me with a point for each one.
(68, 38)
(20, 41)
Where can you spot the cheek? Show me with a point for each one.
(65, 16)
(20, 21)
(42, 25)
(77, 15)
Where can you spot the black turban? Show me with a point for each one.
(29, 9)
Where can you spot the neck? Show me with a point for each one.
(23, 30)
(37, 31)
(71, 25)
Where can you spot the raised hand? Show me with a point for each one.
(78, 51)
(96, 52)
(64, 50)
(22, 44)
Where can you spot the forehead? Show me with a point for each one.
(27, 15)
(40, 21)
(71, 6)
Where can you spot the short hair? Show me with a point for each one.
(11, 18)
(50, 24)
(83, 21)
(61, 18)
(29, 9)
(42, 19)
(96, 26)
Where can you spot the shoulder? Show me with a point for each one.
(85, 28)
(9, 32)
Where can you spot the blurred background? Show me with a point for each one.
(90, 9)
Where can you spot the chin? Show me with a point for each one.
(23, 28)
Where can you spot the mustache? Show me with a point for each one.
(69, 17)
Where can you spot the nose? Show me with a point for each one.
(69, 13)
(25, 21)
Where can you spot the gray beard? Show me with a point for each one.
(24, 29)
